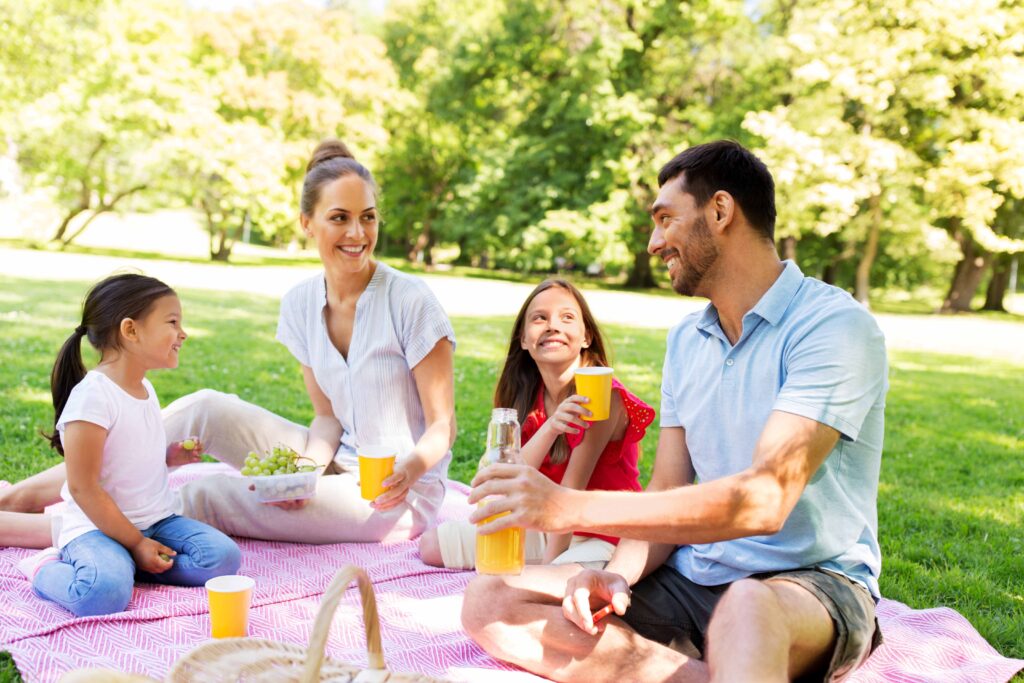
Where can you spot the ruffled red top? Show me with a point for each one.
(617, 467)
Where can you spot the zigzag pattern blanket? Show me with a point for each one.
(419, 609)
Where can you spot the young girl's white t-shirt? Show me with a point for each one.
(134, 468)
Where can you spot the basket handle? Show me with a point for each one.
(321, 628)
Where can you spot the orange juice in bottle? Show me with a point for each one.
(503, 552)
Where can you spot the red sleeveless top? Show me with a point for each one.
(616, 468)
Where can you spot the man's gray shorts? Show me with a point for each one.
(668, 608)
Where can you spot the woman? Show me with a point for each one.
(376, 353)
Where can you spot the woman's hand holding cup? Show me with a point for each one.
(396, 486)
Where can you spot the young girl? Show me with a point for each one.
(555, 333)
(119, 523)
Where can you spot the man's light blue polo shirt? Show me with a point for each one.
(809, 349)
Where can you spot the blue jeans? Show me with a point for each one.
(95, 574)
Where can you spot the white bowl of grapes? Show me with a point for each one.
(280, 474)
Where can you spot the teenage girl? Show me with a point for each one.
(553, 334)
(119, 523)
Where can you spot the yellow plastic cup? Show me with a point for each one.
(596, 385)
(376, 463)
(229, 598)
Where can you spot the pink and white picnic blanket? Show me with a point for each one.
(419, 609)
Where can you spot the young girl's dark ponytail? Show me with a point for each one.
(68, 370)
(110, 301)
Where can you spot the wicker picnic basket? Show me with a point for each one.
(256, 661)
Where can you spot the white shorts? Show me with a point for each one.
(457, 542)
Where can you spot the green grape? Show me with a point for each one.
(278, 459)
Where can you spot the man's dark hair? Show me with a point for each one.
(727, 165)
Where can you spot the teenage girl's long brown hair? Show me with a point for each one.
(520, 379)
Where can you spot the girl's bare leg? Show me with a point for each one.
(25, 530)
(35, 493)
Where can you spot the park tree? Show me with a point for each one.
(564, 110)
(233, 174)
(276, 79)
(879, 149)
(41, 43)
(433, 141)
(96, 139)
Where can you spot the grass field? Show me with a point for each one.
(951, 502)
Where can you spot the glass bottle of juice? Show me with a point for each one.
(503, 552)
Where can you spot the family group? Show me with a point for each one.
(752, 555)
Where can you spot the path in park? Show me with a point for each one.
(961, 335)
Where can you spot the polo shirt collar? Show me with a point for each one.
(770, 307)
(780, 295)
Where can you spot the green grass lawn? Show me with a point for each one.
(951, 502)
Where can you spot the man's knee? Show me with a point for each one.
(746, 598)
(486, 601)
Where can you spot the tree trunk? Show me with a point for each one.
(464, 258)
(226, 241)
(102, 208)
(84, 195)
(640, 275)
(862, 284)
(828, 274)
(428, 253)
(422, 242)
(787, 248)
(81, 228)
(999, 283)
(222, 251)
(967, 275)
(63, 227)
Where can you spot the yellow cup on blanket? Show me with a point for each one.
(376, 463)
(596, 384)
(230, 597)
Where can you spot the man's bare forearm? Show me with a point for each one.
(746, 504)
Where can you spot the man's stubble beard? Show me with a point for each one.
(696, 259)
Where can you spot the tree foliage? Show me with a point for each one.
(98, 137)
(527, 134)
(877, 149)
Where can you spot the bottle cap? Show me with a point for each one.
(504, 415)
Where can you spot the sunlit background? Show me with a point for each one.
(523, 135)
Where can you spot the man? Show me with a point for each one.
(766, 568)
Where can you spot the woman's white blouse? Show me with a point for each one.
(398, 321)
